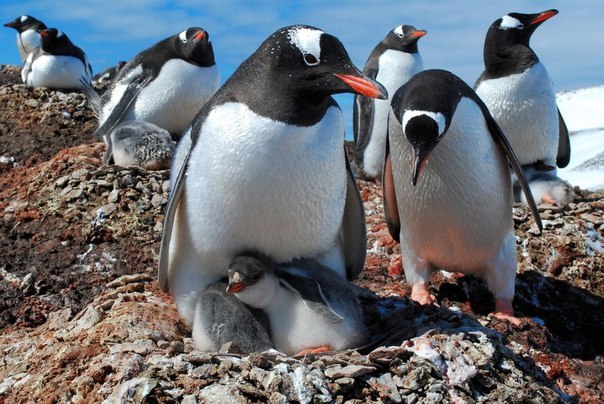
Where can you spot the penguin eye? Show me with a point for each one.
(310, 60)
(400, 35)
(255, 276)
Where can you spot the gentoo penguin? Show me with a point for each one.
(520, 95)
(310, 308)
(165, 84)
(392, 63)
(263, 167)
(108, 74)
(57, 63)
(142, 144)
(457, 215)
(28, 37)
(546, 187)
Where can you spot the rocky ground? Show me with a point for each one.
(83, 319)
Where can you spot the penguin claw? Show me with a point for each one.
(549, 199)
(505, 311)
(315, 350)
(421, 294)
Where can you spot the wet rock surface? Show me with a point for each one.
(83, 319)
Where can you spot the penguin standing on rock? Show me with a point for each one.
(310, 308)
(165, 84)
(392, 63)
(447, 187)
(57, 63)
(263, 167)
(520, 94)
(28, 37)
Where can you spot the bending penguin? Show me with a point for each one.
(57, 63)
(28, 36)
(310, 308)
(520, 95)
(263, 167)
(447, 187)
(392, 63)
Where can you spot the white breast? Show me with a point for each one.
(524, 106)
(27, 41)
(395, 69)
(461, 209)
(260, 184)
(51, 71)
(173, 98)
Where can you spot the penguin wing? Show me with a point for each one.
(129, 96)
(503, 143)
(166, 236)
(312, 295)
(389, 196)
(26, 68)
(563, 143)
(362, 122)
(353, 231)
(94, 99)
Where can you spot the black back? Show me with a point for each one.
(58, 43)
(507, 51)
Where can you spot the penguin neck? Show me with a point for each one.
(502, 61)
(261, 295)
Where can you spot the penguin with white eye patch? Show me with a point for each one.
(310, 308)
(28, 34)
(263, 167)
(447, 187)
(166, 85)
(520, 95)
(392, 63)
(57, 63)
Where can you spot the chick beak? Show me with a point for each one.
(235, 285)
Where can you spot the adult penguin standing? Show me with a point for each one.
(263, 167)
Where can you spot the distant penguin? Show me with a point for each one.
(263, 167)
(447, 187)
(310, 308)
(28, 37)
(57, 63)
(520, 94)
(392, 63)
(108, 74)
(166, 84)
(142, 144)
(546, 187)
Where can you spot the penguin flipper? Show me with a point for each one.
(563, 157)
(94, 99)
(363, 111)
(166, 236)
(389, 195)
(311, 293)
(353, 231)
(502, 141)
(129, 96)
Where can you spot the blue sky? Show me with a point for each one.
(571, 44)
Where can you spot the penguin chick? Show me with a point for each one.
(28, 36)
(137, 143)
(57, 63)
(447, 187)
(310, 307)
(546, 187)
(520, 95)
(165, 84)
(392, 63)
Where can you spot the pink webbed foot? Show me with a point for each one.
(505, 311)
(421, 294)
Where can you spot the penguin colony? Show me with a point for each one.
(265, 227)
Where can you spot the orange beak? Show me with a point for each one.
(364, 86)
(544, 16)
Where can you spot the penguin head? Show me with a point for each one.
(404, 38)
(518, 27)
(193, 45)
(25, 22)
(54, 41)
(315, 64)
(248, 269)
(424, 107)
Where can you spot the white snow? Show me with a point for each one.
(583, 112)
